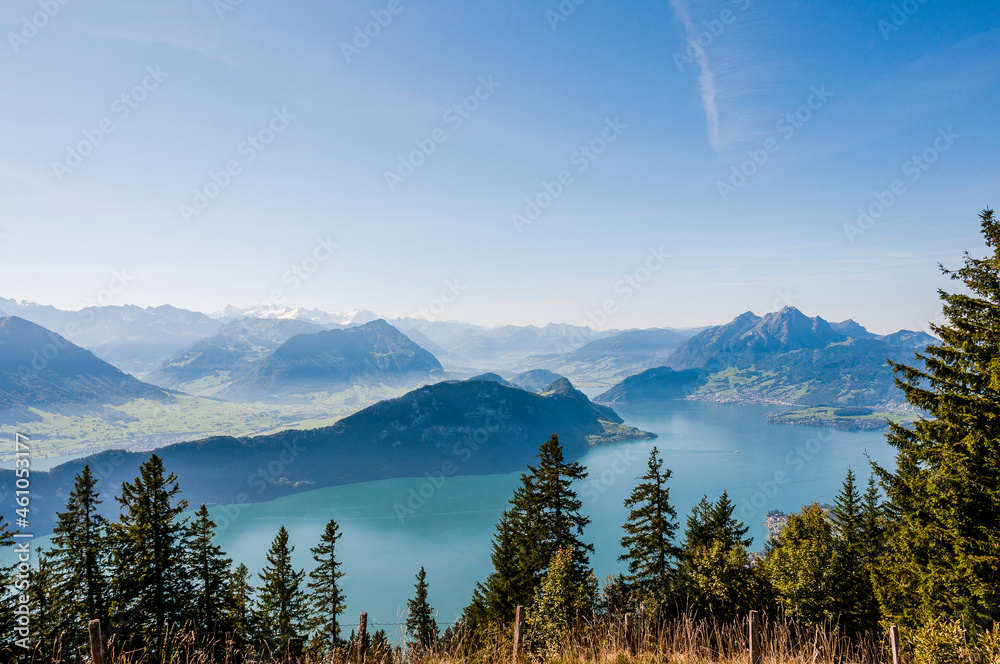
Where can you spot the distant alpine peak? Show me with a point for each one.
(318, 316)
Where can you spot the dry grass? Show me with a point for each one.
(685, 640)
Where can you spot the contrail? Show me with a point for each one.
(706, 78)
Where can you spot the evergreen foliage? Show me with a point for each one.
(420, 624)
(150, 582)
(544, 517)
(80, 558)
(716, 575)
(327, 599)
(802, 566)
(559, 601)
(944, 494)
(282, 609)
(210, 573)
(649, 535)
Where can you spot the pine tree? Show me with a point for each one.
(210, 571)
(944, 493)
(649, 534)
(327, 598)
(282, 609)
(420, 624)
(151, 586)
(80, 560)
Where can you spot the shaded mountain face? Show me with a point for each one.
(655, 384)
(535, 380)
(133, 339)
(450, 428)
(372, 354)
(41, 369)
(231, 352)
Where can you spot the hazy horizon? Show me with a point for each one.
(667, 164)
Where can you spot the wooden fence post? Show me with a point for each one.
(629, 634)
(897, 655)
(96, 642)
(518, 633)
(362, 638)
(756, 655)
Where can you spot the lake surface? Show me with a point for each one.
(708, 446)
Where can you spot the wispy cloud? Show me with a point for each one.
(706, 78)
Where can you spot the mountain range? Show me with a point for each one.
(783, 357)
(42, 369)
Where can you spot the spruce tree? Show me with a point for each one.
(873, 526)
(282, 608)
(546, 514)
(151, 585)
(510, 582)
(240, 606)
(80, 559)
(47, 626)
(420, 624)
(944, 493)
(326, 597)
(715, 574)
(854, 596)
(209, 569)
(543, 517)
(649, 534)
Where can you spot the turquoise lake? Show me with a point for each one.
(708, 446)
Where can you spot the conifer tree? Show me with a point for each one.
(282, 608)
(944, 493)
(854, 595)
(47, 628)
(649, 534)
(420, 624)
(873, 526)
(80, 559)
(510, 582)
(543, 517)
(151, 586)
(326, 597)
(240, 605)
(546, 514)
(209, 568)
(715, 574)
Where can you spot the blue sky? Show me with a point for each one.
(823, 105)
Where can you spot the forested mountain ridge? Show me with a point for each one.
(468, 427)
